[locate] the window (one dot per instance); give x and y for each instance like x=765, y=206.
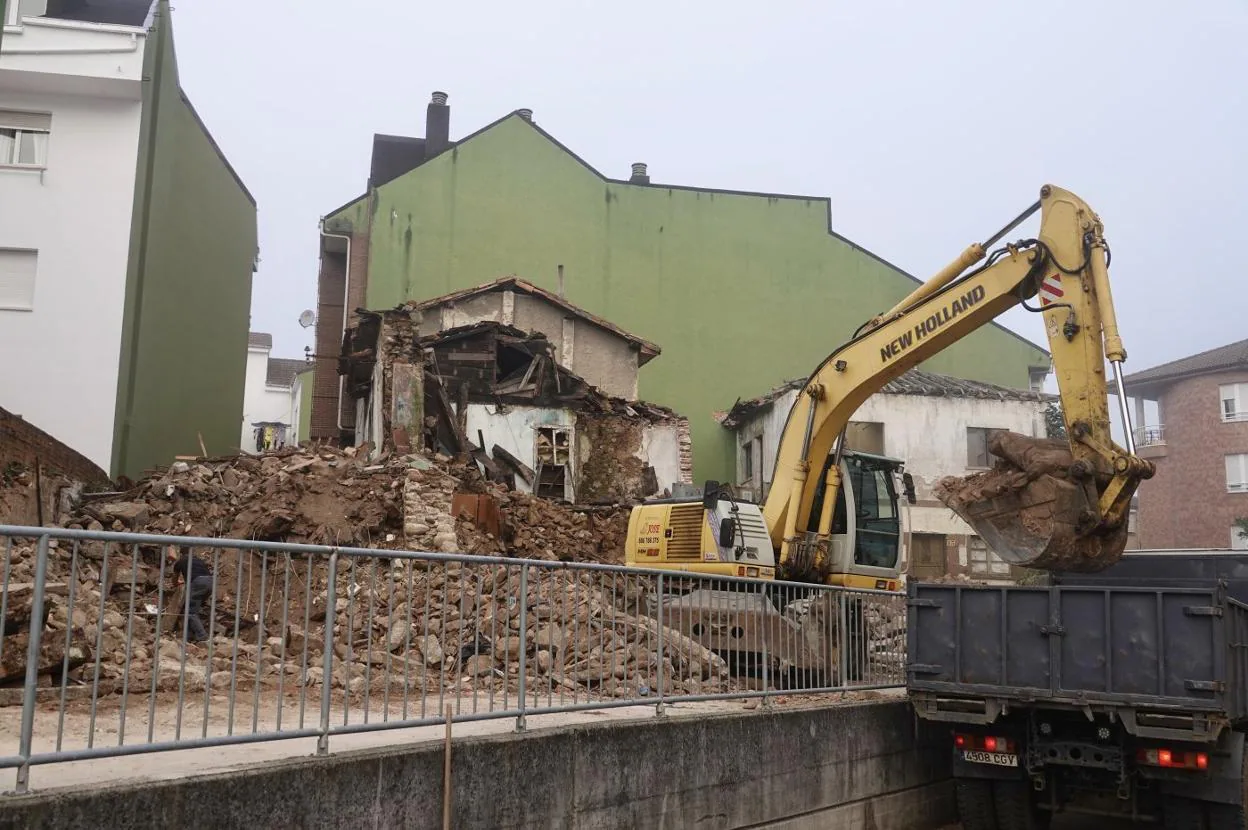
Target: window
x=17, y=279
x=1036, y=376
x=24, y=138
x=1234, y=401
x=977, y=456
x=865, y=436
x=1237, y=473
x=1239, y=538
x=878, y=527
x=747, y=462
x=984, y=562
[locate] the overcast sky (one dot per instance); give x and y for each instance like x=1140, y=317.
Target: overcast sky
x=928, y=124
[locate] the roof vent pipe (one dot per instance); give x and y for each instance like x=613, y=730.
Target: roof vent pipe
x=639, y=173
x=526, y=114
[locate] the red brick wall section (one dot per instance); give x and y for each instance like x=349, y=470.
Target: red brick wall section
x=328, y=345
x=1185, y=505
x=21, y=443
x=324, y=421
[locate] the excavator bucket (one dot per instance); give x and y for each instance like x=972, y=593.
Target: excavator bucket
x=1030, y=511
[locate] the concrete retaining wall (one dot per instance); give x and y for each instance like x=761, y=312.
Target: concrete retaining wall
x=868, y=766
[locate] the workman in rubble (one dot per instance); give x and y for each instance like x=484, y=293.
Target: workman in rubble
x=199, y=588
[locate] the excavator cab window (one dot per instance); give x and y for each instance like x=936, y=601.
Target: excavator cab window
x=877, y=523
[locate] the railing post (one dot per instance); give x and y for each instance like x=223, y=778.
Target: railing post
x=30, y=690
x=327, y=663
x=658, y=708
x=766, y=659
x=524, y=641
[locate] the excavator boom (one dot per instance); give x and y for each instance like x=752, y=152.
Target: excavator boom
x=1049, y=504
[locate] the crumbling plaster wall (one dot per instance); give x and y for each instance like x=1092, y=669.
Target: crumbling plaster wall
x=612, y=451
x=604, y=359
x=513, y=428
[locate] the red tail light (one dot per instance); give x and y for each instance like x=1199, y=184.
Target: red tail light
x=987, y=743
x=1173, y=759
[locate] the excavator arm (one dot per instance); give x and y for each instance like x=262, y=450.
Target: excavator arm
x=1061, y=504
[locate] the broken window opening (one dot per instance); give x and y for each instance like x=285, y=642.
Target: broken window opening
x=510, y=363
x=552, y=450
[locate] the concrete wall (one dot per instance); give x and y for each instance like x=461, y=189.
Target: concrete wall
x=75, y=215
x=856, y=767
x=192, y=251
x=740, y=290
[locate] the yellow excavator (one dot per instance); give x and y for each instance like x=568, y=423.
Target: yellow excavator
x=1047, y=505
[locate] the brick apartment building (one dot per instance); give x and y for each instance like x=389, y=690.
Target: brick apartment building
x=1200, y=447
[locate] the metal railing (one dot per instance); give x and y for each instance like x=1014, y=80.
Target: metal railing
x=1150, y=436
x=303, y=641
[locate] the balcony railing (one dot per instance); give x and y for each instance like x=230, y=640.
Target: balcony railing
x=1150, y=436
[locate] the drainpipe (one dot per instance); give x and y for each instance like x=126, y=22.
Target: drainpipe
x=346, y=291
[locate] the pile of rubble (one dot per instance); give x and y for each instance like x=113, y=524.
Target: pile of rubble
x=315, y=496
x=433, y=626
x=437, y=628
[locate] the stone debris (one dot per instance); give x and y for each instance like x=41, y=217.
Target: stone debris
x=425, y=627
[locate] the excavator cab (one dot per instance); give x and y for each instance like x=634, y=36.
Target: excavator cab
x=865, y=552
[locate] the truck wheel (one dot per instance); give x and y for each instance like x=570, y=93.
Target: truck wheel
x=1016, y=809
x=1184, y=814
x=975, y=806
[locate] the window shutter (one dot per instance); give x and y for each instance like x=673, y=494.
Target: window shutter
x=17, y=279
x=14, y=120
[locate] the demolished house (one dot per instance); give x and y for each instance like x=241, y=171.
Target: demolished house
x=499, y=394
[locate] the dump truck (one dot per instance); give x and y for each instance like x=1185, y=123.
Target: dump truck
x=1122, y=692
x=1054, y=504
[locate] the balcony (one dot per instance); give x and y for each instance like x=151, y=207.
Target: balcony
x=1150, y=441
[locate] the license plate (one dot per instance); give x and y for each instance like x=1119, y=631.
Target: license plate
x=999, y=759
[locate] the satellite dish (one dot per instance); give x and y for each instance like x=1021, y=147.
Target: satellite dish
x=307, y=318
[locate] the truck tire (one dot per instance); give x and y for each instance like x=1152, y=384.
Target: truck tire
x=1184, y=814
x=1016, y=809
x=975, y=804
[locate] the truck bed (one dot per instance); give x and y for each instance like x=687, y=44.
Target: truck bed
x=1100, y=642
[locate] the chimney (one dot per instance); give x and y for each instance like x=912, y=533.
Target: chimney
x=527, y=115
x=639, y=173
x=437, y=125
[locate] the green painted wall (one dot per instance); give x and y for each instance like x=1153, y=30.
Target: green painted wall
x=741, y=291
x=188, y=291
x=305, y=405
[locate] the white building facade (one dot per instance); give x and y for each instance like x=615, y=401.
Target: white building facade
x=70, y=113
x=937, y=425
x=270, y=400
